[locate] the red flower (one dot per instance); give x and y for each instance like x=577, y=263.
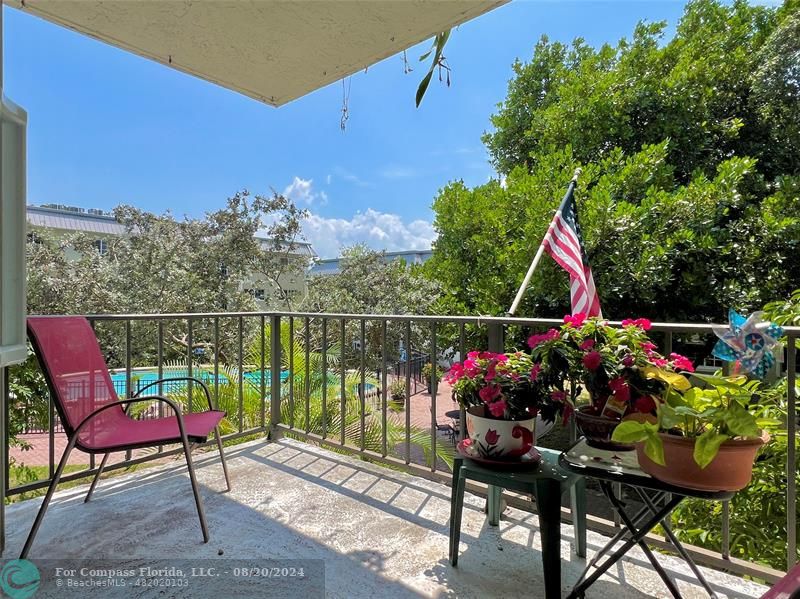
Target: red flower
x=558, y=396
x=645, y=404
x=620, y=389
x=498, y=408
x=492, y=437
x=575, y=320
x=628, y=361
x=490, y=393
x=592, y=360
x=535, y=370
x=587, y=345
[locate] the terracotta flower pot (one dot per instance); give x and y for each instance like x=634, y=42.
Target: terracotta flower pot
x=598, y=430
x=500, y=439
x=730, y=470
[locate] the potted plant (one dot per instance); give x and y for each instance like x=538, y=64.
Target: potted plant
x=397, y=391
x=705, y=438
x=620, y=368
x=428, y=372
x=503, y=394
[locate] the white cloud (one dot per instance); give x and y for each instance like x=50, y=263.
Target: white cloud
x=378, y=230
x=301, y=191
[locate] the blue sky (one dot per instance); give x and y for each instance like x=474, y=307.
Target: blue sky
x=107, y=127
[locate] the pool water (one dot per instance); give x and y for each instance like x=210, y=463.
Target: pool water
x=141, y=378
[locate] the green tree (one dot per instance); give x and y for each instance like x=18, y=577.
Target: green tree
x=687, y=204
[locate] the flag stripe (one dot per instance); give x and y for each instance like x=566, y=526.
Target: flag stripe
x=564, y=244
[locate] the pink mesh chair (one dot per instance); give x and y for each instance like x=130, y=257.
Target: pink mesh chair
x=787, y=587
x=96, y=420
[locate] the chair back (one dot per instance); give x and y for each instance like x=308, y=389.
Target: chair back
x=76, y=374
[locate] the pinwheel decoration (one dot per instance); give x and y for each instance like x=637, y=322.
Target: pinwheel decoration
x=748, y=342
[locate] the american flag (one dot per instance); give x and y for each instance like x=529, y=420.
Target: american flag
x=564, y=243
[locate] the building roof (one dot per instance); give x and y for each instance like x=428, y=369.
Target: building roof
x=66, y=218
x=271, y=51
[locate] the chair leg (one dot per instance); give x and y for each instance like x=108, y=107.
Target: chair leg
x=198, y=500
x=46, y=501
x=96, y=478
x=222, y=457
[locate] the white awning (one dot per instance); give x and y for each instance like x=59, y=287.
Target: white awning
x=272, y=50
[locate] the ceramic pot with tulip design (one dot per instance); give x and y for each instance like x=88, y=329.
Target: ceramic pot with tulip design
x=500, y=439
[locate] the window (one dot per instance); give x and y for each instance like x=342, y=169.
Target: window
x=101, y=245
x=258, y=294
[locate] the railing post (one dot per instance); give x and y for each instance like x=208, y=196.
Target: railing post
x=275, y=375
x=495, y=342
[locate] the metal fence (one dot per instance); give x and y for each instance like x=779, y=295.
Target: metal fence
x=333, y=374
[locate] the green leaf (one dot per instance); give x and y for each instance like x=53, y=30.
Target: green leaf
x=739, y=421
x=423, y=86
x=706, y=447
x=654, y=448
x=629, y=431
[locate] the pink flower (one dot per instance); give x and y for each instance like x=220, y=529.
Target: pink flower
x=660, y=362
x=592, y=360
x=535, y=370
x=473, y=355
x=471, y=368
x=490, y=393
x=537, y=339
x=575, y=320
x=628, y=361
x=681, y=362
x=502, y=358
x=490, y=372
x=492, y=437
x=497, y=408
x=587, y=345
x=642, y=323
x=455, y=373
x=467, y=442
x=558, y=396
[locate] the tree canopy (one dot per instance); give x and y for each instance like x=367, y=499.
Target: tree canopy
x=691, y=186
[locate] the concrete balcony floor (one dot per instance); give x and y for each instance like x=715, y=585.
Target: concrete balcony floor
x=381, y=533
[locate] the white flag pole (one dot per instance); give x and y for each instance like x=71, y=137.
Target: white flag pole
x=540, y=252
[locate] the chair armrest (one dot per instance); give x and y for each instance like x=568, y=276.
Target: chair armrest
x=179, y=378
x=125, y=402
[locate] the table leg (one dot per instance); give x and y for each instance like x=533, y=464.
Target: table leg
x=455, y=526
x=548, y=505
x=457, y=462
x=678, y=546
x=635, y=538
x=637, y=519
x=578, y=508
x=494, y=496
x=629, y=524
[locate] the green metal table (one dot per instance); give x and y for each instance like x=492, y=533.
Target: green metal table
x=546, y=483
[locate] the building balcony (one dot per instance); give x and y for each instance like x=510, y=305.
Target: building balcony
x=379, y=532
x=327, y=466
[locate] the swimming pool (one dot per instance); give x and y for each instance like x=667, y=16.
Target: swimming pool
x=143, y=377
